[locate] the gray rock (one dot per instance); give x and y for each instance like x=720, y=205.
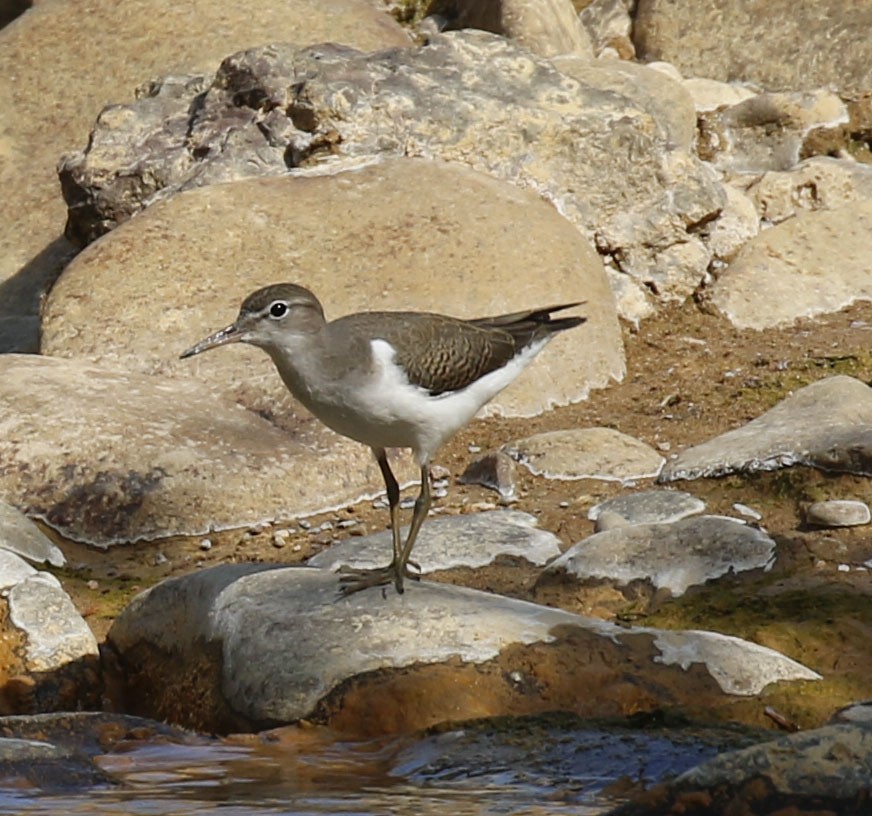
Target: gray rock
x=362, y=240
x=55, y=632
x=767, y=131
x=814, y=44
x=588, y=453
x=838, y=513
x=859, y=713
x=43, y=65
x=640, y=206
x=672, y=556
x=101, y=456
x=472, y=540
x=18, y=534
x=270, y=644
x=13, y=569
x=834, y=762
x=824, y=425
x=495, y=470
x=650, y=506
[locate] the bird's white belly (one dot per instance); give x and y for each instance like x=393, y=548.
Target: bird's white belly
x=387, y=411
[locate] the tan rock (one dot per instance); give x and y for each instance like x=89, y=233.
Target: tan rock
x=586, y=453
x=403, y=234
x=777, y=44
x=545, y=27
x=815, y=263
x=107, y=457
x=52, y=88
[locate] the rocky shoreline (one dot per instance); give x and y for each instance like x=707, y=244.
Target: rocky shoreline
x=669, y=513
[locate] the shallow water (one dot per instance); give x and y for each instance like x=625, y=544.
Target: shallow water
x=518, y=767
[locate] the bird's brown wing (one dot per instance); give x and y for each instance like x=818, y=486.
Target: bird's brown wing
x=442, y=354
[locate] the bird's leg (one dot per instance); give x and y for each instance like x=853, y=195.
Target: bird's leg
x=353, y=580
x=393, y=491
x=422, y=508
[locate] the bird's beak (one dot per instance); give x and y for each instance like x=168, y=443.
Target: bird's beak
x=230, y=334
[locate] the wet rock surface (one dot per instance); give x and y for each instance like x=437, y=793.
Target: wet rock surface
x=375, y=662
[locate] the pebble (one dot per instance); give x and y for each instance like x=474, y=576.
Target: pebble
x=750, y=512
x=304, y=524
x=206, y=544
x=837, y=513
x=160, y=559
x=280, y=538
x=93, y=585
x=345, y=523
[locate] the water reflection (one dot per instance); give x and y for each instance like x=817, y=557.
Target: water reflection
x=521, y=767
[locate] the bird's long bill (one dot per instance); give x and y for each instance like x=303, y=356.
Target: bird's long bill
x=229, y=334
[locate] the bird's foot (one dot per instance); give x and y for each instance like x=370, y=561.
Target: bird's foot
x=353, y=580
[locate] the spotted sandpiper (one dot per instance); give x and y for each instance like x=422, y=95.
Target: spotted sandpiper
x=389, y=380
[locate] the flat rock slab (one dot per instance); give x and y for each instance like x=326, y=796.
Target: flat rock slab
x=246, y=646
x=473, y=540
x=20, y=535
x=105, y=457
x=672, y=556
x=649, y=506
x=815, y=263
x=400, y=234
x=827, y=425
x=587, y=453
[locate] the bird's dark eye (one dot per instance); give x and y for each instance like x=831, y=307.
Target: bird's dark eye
x=278, y=308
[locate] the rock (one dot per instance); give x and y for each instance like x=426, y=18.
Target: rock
x=52, y=90
x=55, y=633
x=588, y=453
x=838, y=513
x=813, y=264
x=640, y=205
x=821, y=770
x=767, y=131
x=99, y=456
x=360, y=240
x=672, y=555
x=647, y=89
x=815, y=43
x=56, y=753
x=18, y=534
x=244, y=646
x=49, y=658
x=650, y=506
x=824, y=425
x=472, y=540
x=610, y=27
x=859, y=713
x=738, y=224
x=495, y=470
x=818, y=183
x=710, y=94
x=545, y=27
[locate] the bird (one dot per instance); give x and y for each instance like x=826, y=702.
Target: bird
x=390, y=379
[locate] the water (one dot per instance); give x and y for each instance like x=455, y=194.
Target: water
x=524, y=767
